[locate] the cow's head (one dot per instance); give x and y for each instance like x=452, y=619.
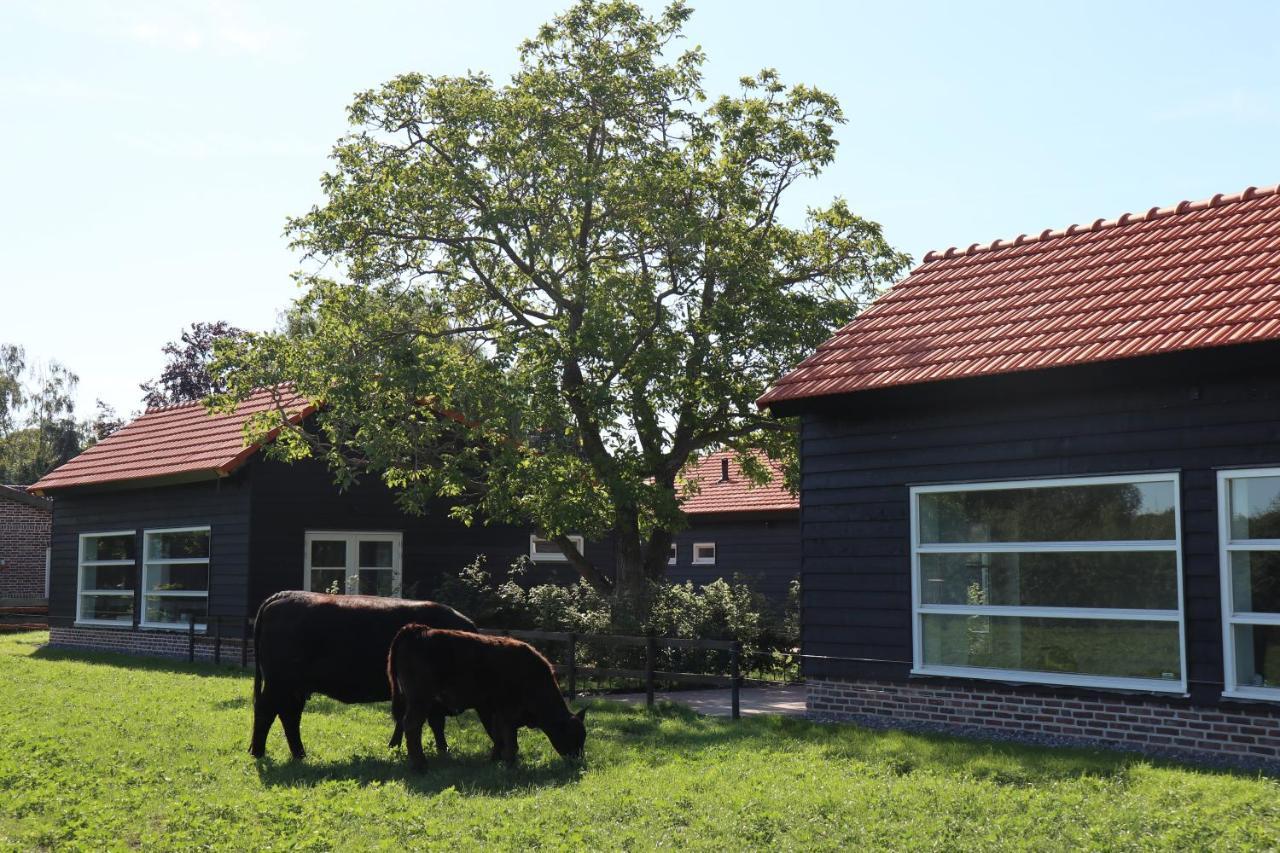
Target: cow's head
x=569, y=736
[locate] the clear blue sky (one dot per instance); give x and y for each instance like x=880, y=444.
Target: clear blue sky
x=152, y=150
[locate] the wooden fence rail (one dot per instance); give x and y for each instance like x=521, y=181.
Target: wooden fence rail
x=650, y=675
x=214, y=629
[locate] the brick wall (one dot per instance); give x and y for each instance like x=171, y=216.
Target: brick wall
x=162, y=644
x=24, y=536
x=1248, y=736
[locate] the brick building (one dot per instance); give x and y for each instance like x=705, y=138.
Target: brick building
x=25, y=524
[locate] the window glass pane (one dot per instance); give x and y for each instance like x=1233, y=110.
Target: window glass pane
x=1255, y=508
x=183, y=545
x=329, y=580
x=107, y=608
x=1139, y=511
x=328, y=553
x=375, y=555
x=376, y=582
x=546, y=546
x=1257, y=649
x=175, y=611
x=1145, y=580
x=1103, y=647
x=182, y=576
x=108, y=548
x=704, y=552
x=106, y=577
x=1255, y=581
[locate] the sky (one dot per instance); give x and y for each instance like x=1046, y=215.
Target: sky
x=150, y=152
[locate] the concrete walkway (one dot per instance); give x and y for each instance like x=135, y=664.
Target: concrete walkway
x=787, y=701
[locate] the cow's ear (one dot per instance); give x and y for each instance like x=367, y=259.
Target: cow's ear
x=582, y=715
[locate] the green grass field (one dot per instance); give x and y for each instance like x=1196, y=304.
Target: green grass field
x=105, y=752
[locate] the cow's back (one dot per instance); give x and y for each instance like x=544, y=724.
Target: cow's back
x=337, y=645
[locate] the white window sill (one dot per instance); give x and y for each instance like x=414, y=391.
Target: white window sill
x=1253, y=694
x=129, y=626
x=1140, y=685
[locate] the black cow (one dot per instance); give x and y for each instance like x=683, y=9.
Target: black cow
x=509, y=683
x=335, y=645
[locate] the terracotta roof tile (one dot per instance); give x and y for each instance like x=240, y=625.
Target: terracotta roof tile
x=737, y=494
x=1197, y=274
x=174, y=440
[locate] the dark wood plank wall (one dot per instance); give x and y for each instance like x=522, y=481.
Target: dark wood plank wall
x=223, y=505
x=1190, y=412
x=761, y=548
x=289, y=500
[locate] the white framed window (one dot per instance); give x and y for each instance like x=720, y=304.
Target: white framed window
x=545, y=551
x=704, y=553
x=1249, y=536
x=175, y=577
x=349, y=562
x=675, y=552
x=106, y=578
x=1069, y=581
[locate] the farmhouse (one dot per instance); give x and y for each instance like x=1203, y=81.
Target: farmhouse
x=24, y=544
x=174, y=518
x=1041, y=487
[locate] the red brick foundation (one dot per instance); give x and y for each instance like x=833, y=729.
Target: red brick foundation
x=1135, y=723
x=24, y=536
x=162, y=644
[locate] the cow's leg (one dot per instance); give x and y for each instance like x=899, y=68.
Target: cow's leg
x=436, y=717
x=397, y=734
x=414, y=718
x=264, y=714
x=486, y=719
x=291, y=721
x=511, y=746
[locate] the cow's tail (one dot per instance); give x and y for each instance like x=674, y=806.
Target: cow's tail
x=257, y=654
x=397, y=695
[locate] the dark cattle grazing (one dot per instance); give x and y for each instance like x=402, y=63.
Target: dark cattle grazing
x=335, y=645
x=509, y=684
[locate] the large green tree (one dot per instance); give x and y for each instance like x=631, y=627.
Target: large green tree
x=551, y=294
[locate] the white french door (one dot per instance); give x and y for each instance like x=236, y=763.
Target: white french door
x=353, y=563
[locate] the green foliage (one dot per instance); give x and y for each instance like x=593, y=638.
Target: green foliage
x=101, y=752
x=558, y=290
x=38, y=426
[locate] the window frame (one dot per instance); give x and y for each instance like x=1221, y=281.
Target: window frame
x=175, y=561
x=1226, y=547
x=558, y=557
x=80, y=591
x=920, y=610
x=351, y=571
x=674, y=556
x=703, y=561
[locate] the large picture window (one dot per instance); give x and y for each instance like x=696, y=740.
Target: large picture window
x=1250, y=537
x=175, y=577
x=107, y=574
x=354, y=563
x=1074, y=582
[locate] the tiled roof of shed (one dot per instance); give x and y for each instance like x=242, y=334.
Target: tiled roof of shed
x=1194, y=275
x=173, y=440
x=737, y=494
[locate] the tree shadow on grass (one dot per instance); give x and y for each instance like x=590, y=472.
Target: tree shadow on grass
x=144, y=664
x=468, y=774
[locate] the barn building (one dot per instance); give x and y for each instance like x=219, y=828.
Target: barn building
x=1040, y=488
x=174, y=519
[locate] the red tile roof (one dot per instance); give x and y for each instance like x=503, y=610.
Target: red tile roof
x=1198, y=274
x=174, y=440
x=737, y=494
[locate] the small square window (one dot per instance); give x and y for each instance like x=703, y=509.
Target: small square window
x=545, y=551
x=704, y=553
x=671, y=560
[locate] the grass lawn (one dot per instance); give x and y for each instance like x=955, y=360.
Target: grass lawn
x=106, y=752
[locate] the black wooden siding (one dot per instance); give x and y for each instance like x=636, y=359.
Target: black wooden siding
x=289, y=500
x=222, y=505
x=1191, y=413
x=760, y=548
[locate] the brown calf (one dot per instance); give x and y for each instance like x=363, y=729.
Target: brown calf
x=509, y=684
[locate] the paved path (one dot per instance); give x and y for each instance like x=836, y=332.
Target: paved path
x=787, y=701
